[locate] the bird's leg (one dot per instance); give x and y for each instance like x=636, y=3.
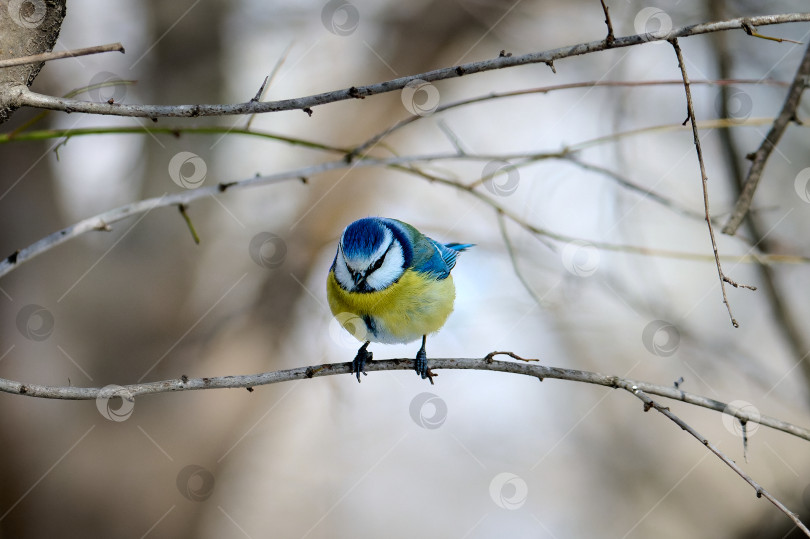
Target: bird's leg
x=420, y=365
x=359, y=362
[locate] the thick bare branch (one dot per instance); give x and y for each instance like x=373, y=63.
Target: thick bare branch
x=22, y=96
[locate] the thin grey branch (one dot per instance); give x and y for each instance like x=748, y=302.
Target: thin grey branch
x=22, y=96
x=642, y=191
x=47, y=56
x=102, y=221
x=487, y=363
x=370, y=143
x=510, y=249
x=610, y=38
x=788, y=114
x=650, y=403
x=785, y=319
x=482, y=364
x=690, y=110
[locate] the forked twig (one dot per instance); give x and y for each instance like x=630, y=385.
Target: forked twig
x=705, y=181
x=760, y=490
x=610, y=38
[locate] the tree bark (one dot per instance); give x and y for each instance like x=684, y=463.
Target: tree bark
x=26, y=27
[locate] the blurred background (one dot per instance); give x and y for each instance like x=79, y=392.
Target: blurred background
x=479, y=454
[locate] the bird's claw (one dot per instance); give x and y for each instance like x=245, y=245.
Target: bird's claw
x=359, y=362
x=420, y=365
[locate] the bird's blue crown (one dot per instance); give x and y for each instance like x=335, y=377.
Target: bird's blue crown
x=363, y=237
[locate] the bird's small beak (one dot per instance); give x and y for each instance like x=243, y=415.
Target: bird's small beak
x=358, y=278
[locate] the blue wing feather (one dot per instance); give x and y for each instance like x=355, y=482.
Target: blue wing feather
x=449, y=252
x=428, y=255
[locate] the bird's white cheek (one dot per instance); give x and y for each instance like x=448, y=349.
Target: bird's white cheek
x=342, y=273
x=390, y=271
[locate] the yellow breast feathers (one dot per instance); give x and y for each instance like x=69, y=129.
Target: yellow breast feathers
x=413, y=306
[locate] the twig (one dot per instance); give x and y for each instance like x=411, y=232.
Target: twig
x=787, y=114
x=751, y=31
x=19, y=96
x=452, y=137
x=46, y=56
x=489, y=357
x=645, y=194
x=535, y=370
x=630, y=186
x=185, y=197
x=542, y=233
x=610, y=38
x=513, y=258
x=705, y=182
x=718, y=123
x=268, y=81
x=259, y=95
x=487, y=363
x=744, y=428
x=44, y=113
x=187, y=219
x=650, y=403
x=102, y=220
x=174, y=131
x=785, y=320
x=546, y=89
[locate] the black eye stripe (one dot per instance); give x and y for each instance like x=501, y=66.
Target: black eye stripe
x=380, y=260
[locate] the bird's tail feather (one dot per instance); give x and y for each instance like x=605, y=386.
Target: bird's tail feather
x=459, y=247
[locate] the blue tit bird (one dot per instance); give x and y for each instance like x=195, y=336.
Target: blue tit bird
x=394, y=282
